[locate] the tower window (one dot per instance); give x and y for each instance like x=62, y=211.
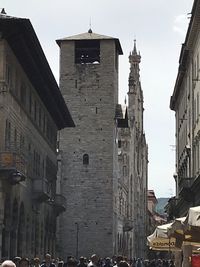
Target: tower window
x=85, y=159
x=87, y=52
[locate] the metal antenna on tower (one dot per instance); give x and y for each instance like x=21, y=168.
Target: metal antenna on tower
x=90, y=29
x=3, y=12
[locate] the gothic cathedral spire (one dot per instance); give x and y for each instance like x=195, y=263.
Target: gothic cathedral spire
x=135, y=94
x=134, y=76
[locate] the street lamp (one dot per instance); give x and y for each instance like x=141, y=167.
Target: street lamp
x=16, y=177
x=77, y=238
x=78, y=225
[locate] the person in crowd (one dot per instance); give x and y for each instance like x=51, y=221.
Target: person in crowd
x=48, y=261
x=60, y=263
x=165, y=263
x=123, y=264
x=133, y=263
x=71, y=262
x=36, y=262
x=108, y=262
x=8, y=263
x=171, y=263
x=139, y=263
x=16, y=261
x=94, y=261
x=24, y=262
x=82, y=262
x=159, y=263
x=119, y=258
x=153, y=263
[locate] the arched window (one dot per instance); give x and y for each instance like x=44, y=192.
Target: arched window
x=85, y=159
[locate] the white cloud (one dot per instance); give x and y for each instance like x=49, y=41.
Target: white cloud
x=180, y=24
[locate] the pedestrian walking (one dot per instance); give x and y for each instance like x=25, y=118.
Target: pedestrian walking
x=36, y=262
x=16, y=261
x=108, y=262
x=94, y=262
x=124, y=264
x=24, y=262
x=82, y=262
x=139, y=263
x=119, y=258
x=8, y=263
x=48, y=261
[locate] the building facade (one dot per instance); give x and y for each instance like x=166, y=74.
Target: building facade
x=185, y=103
x=133, y=168
x=138, y=156
x=154, y=217
x=89, y=83
x=104, y=168
x=124, y=192
x=32, y=110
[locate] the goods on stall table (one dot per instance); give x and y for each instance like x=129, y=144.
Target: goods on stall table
x=195, y=260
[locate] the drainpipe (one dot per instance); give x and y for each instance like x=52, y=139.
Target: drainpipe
x=1, y=215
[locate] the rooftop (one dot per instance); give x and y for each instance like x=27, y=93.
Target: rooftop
x=91, y=36
x=22, y=39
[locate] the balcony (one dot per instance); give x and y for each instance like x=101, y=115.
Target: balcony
x=40, y=190
x=128, y=225
x=13, y=166
x=59, y=203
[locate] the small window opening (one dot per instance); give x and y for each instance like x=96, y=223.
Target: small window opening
x=96, y=110
x=87, y=52
x=85, y=159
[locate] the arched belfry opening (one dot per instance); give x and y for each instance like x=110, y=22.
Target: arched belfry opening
x=87, y=52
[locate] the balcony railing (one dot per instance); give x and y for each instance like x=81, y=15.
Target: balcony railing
x=13, y=166
x=40, y=190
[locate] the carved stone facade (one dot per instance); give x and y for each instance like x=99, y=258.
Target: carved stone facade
x=32, y=110
x=133, y=160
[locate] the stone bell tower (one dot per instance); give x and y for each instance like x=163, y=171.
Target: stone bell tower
x=89, y=85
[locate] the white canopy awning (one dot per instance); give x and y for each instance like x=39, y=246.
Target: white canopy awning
x=193, y=217
x=159, y=240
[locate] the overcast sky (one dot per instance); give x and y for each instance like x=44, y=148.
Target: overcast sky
x=159, y=27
